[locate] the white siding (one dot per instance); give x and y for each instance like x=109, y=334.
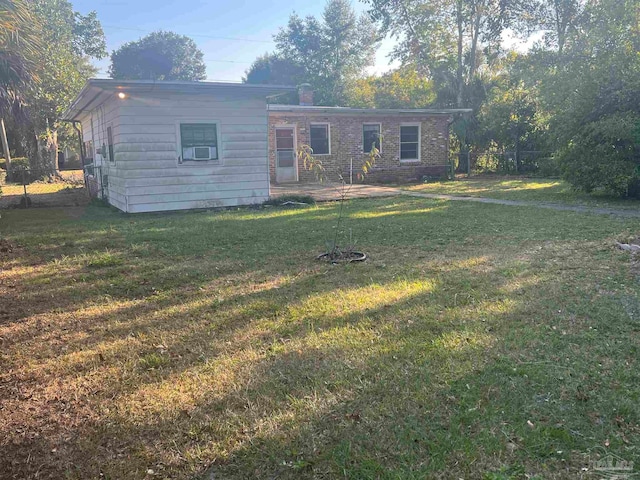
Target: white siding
x=147, y=176
x=103, y=116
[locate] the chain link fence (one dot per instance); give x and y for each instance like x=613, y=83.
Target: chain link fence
x=23, y=187
x=532, y=162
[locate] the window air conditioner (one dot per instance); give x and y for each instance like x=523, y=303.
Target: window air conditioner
x=202, y=153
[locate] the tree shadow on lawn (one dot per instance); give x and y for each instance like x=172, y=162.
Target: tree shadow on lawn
x=206, y=351
x=85, y=382
x=137, y=258
x=274, y=382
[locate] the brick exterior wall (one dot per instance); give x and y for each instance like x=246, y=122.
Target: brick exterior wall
x=346, y=144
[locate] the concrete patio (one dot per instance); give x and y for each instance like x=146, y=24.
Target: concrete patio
x=329, y=192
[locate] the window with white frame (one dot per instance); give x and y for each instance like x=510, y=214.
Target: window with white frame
x=410, y=143
x=199, y=142
x=370, y=137
x=320, y=138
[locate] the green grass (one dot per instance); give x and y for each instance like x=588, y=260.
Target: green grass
x=478, y=341
x=523, y=188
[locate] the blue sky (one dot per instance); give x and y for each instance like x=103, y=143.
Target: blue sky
x=231, y=34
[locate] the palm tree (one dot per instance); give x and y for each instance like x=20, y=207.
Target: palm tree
x=18, y=50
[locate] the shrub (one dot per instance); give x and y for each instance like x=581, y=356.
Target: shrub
x=19, y=169
x=605, y=156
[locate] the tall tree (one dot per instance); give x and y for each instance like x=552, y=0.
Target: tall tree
x=448, y=39
x=330, y=53
x=401, y=88
x=594, y=99
x=69, y=39
x=557, y=18
x=18, y=51
x=159, y=56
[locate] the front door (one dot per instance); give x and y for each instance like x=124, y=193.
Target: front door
x=286, y=164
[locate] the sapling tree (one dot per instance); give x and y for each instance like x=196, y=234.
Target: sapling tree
x=337, y=181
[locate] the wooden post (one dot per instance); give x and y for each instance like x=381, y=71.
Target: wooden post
x=5, y=144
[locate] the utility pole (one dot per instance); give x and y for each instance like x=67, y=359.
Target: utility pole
x=5, y=145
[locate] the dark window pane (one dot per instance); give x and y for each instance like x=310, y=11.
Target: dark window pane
x=409, y=134
x=370, y=137
x=409, y=151
x=319, y=136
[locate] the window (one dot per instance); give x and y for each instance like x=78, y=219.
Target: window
x=370, y=137
x=410, y=143
x=199, y=141
x=320, y=139
x=110, y=144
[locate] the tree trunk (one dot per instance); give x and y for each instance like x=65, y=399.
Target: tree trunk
x=53, y=151
x=459, y=76
x=474, y=44
x=5, y=145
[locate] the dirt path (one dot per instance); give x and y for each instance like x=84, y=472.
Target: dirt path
x=326, y=193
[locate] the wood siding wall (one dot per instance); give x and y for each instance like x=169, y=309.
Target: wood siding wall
x=146, y=148
x=102, y=117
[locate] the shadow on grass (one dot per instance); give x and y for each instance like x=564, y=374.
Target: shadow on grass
x=212, y=342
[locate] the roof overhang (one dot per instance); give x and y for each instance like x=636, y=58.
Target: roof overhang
x=366, y=111
x=96, y=91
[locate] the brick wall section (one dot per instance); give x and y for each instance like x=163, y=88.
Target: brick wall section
x=346, y=143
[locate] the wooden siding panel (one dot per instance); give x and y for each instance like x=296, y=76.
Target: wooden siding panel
x=238, y=192
x=187, y=180
x=187, y=171
x=146, y=175
x=155, y=190
x=195, y=204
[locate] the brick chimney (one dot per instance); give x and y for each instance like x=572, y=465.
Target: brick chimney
x=305, y=93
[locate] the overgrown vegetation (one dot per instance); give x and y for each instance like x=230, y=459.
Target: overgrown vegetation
x=189, y=344
x=571, y=99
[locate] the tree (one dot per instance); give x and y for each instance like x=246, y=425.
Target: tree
x=159, y=56
x=401, y=88
x=275, y=70
x=63, y=66
x=329, y=53
x=558, y=18
x=18, y=50
x=452, y=42
x=448, y=39
x=595, y=120
x=509, y=118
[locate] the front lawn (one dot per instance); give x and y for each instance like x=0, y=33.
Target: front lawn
x=523, y=188
x=478, y=341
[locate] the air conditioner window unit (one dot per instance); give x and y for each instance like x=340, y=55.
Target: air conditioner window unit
x=202, y=153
